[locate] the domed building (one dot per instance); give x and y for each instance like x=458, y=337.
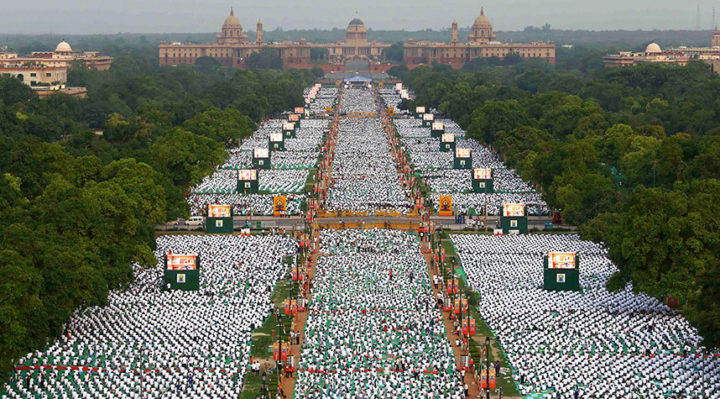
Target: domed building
x=481, y=43
x=63, y=48
x=232, y=31
x=652, y=54
x=356, y=46
x=356, y=33
x=232, y=47
x=653, y=49
x=481, y=30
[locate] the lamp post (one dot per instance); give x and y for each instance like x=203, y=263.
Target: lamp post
x=264, y=385
x=487, y=367
x=485, y=208
x=278, y=316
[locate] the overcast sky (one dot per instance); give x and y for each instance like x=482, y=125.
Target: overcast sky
x=163, y=16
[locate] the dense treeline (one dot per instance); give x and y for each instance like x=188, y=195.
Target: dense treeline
x=146, y=44
x=83, y=181
x=630, y=155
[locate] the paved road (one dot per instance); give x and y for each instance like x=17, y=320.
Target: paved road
x=297, y=223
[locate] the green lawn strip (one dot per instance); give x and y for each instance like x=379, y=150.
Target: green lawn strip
x=310, y=181
x=477, y=343
x=262, y=344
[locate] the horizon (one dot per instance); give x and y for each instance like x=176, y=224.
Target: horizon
x=84, y=17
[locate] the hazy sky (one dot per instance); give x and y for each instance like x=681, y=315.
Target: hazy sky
x=158, y=16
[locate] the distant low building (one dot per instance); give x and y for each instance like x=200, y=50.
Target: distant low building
x=36, y=75
x=481, y=43
x=232, y=47
x=46, y=71
x=676, y=55
x=63, y=56
x=652, y=54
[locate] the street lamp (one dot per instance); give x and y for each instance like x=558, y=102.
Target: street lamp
x=264, y=385
x=487, y=367
x=278, y=317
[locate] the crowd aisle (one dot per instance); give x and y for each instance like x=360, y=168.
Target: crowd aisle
x=289, y=168
x=364, y=175
x=151, y=343
x=373, y=330
x=436, y=167
x=602, y=344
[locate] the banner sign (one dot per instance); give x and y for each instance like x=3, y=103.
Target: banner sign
x=445, y=208
x=462, y=153
x=514, y=210
x=219, y=211
x=181, y=262
x=561, y=260
x=262, y=152
x=279, y=205
x=448, y=138
x=482, y=174
x=247, y=174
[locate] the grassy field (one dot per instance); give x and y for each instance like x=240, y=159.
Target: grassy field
x=262, y=345
x=477, y=343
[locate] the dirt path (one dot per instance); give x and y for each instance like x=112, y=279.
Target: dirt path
x=469, y=380
x=298, y=325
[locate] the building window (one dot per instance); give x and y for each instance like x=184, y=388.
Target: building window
x=48, y=74
x=33, y=74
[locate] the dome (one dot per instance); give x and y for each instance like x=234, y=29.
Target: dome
x=231, y=20
x=63, y=47
x=356, y=21
x=653, y=48
x=482, y=20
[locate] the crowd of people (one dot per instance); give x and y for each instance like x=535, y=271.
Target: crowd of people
x=149, y=342
x=373, y=330
x=364, y=175
x=603, y=344
x=436, y=169
x=326, y=97
x=290, y=168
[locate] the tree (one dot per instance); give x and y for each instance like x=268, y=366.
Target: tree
x=319, y=53
x=266, y=58
x=206, y=64
x=495, y=116
x=221, y=125
x=677, y=252
x=13, y=91
x=394, y=53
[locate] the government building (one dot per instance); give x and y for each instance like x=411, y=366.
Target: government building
x=481, y=43
x=677, y=55
x=232, y=48
x=46, y=71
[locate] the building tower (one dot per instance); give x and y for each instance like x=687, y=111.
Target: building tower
x=259, y=32
x=454, y=32
x=715, y=41
x=356, y=34
x=232, y=31
x=481, y=31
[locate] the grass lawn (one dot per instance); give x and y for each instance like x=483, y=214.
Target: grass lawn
x=477, y=343
x=262, y=344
